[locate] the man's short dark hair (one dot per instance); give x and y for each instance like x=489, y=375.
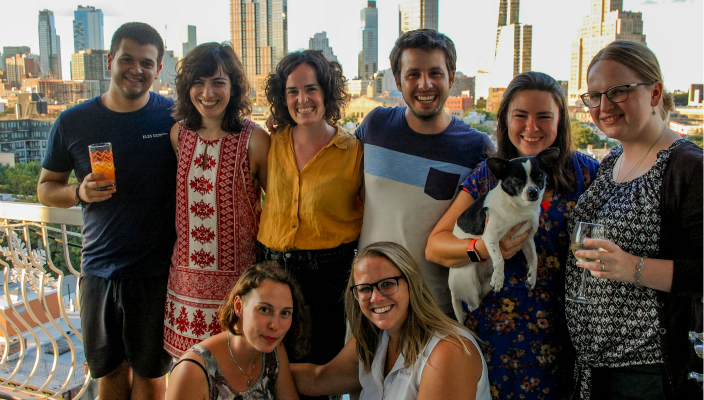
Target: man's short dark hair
x=423, y=39
x=141, y=33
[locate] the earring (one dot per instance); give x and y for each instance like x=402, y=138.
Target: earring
x=654, y=111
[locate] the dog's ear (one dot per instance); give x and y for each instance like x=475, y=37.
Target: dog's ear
x=499, y=167
x=549, y=156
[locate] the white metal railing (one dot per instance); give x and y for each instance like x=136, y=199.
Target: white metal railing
x=40, y=337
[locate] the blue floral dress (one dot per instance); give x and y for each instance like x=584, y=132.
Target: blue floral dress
x=526, y=343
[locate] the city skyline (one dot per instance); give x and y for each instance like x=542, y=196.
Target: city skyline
x=668, y=25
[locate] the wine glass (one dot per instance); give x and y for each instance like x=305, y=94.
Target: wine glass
x=583, y=231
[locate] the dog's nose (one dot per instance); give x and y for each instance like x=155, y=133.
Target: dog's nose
x=532, y=194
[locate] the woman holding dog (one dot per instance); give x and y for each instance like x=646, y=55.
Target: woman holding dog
x=524, y=331
x=404, y=347
x=647, y=278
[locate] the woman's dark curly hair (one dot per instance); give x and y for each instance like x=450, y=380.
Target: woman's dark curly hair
x=297, y=337
x=330, y=79
x=202, y=62
x=562, y=176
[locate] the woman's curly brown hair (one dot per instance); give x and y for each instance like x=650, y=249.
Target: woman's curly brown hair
x=298, y=335
x=205, y=61
x=330, y=79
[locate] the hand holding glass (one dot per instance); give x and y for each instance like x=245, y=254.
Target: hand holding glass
x=101, y=162
x=585, y=230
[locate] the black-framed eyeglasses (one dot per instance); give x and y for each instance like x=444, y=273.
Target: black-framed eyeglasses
x=615, y=94
x=386, y=286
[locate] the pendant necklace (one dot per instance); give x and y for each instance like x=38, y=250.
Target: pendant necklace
x=249, y=376
x=618, y=173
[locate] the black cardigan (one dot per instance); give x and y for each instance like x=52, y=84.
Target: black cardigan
x=680, y=310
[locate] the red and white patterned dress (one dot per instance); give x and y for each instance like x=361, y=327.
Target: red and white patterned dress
x=217, y=219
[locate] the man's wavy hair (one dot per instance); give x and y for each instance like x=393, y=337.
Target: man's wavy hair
x=298, y=335
x=330, y=79
x=203, y=62
x=426, y=40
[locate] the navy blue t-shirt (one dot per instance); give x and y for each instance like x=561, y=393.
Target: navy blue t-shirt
x=132, y=234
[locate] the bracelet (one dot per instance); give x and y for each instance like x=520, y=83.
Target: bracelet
x=639, y=272
x=80, y=201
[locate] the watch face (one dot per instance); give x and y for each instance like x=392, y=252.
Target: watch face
x=473, y=256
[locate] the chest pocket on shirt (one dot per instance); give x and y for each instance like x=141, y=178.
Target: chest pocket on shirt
x=441, y=185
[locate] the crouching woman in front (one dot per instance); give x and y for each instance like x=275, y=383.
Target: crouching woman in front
x=264, y=311
x=403, y=347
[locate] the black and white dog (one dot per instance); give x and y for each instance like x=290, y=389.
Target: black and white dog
x=516, y=198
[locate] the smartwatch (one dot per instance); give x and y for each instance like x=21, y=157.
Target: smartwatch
x=472, y=252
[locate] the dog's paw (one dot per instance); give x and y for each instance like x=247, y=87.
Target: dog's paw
x=497, y=280
x=530, y=281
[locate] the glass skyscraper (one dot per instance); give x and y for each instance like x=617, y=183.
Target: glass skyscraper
x=49, y=45
x=88, y=29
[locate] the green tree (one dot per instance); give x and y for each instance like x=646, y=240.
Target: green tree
x=482, y=128
x=21, y=180
x=583, y=136
x=350, y=118
x=681, y=99
x=697, y=139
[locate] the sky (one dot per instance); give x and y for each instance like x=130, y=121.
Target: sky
x=673, y=28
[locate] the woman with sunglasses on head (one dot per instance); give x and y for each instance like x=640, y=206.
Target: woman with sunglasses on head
x=248, y=361
x=404, y=347
x=646, y=278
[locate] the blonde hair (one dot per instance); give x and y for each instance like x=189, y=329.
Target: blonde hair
x=425, y=319
x=641, y=60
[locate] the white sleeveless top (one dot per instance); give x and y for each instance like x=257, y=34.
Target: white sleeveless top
x=403, y=383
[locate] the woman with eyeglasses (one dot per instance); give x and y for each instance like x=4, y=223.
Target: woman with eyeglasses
x=646, y=279
x=403, y=347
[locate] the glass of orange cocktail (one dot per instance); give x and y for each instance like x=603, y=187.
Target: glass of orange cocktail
x=101, y=161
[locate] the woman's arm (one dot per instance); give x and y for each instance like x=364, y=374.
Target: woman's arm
x=450, y=373
x=173, y=135
x=621, y=266
x=285, y=388
x=258, y=155
x=341, y=375
x=188, y=381
x=446, y=249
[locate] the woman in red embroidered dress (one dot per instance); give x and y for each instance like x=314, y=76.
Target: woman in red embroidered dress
x=222, y=168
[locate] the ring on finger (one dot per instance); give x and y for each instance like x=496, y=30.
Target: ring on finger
x=602, y=265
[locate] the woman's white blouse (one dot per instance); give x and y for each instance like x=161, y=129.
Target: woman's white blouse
x=403, y=383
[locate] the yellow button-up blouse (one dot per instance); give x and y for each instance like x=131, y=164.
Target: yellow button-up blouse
x=318, y=207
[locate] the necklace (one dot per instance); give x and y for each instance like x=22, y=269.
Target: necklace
x=254, y=364
x=618, y=173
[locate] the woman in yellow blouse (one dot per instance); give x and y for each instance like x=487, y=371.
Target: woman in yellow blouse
x=312, y=213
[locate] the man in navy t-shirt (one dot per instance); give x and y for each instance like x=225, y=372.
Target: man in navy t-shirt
x=128, y=222
x=416, y=157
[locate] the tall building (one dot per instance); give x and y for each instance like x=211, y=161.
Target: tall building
x=10, y=51
x=49, y=45
x=506, y=55
x=320, y=42
x=368, y=59
x=259, y=32
x=91, y=64
x=417, y=14
x=88, y=29
x=190, y=41
x=606, y=23
x=14, y=70
x=168, y=69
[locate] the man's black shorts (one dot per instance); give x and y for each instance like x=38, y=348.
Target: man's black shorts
x=124, y=319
